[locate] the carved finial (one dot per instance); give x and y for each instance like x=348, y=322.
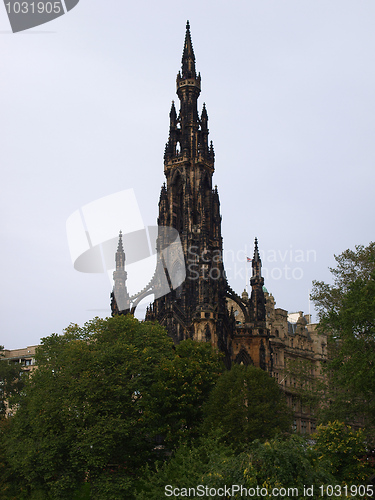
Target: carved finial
x=256, y=251
x=188, y=57
x=204, y=115
x=120, y=248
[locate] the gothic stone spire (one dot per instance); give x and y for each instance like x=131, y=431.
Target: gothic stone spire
x=188, y=57
x=120, y=303
x=258, y=301
x=188, y=203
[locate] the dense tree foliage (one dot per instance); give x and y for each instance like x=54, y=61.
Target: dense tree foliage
x=351, y=265
x=345, y=452
x=247, y=404
x=10, y=486
x=278, y=463
x=91, y=411
x=115, y=410
x=183, y=384
x=11, y=383
x=347, y=316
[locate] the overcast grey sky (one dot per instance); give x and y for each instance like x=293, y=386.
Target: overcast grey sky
x=289, y=89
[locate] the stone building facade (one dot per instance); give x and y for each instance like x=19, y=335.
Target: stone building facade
x=293, y=339
x=24, y=356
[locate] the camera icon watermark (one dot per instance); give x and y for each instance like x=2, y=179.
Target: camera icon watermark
x=154, y=258
x=26, y=14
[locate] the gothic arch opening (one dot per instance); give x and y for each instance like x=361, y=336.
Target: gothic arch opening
x=207, y=333
x=243, y=358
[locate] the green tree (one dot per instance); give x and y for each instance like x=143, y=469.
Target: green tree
x=11, y=383
x=278, y=463
x=247, y=404
x=82, y=415
x=347, y=316
x=350, y=266
x=200, y=462
x=184, y=383
x=286, y=464
x=101, y=394
x=343, y=450
x=11, y=488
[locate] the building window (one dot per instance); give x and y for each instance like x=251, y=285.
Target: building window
x=303, y=426
x=294, y=404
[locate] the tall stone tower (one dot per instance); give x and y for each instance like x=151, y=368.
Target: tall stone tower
x=192, y=297
x=189, y=203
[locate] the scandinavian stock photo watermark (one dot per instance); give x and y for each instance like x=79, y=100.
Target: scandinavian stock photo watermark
x=277, y=264
x=26, y=14
x=236, y=491
x=151, y=252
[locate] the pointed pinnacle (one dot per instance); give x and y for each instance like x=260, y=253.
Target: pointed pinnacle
x=188, y=57
x=173, y=113
x=204, y=112
x=163, y=193
x=188, y=46
x=120, y=248
x=256, y=251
